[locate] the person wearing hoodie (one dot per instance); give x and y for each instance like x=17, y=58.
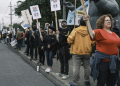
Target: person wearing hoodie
x=81, y=47
x=116, y=29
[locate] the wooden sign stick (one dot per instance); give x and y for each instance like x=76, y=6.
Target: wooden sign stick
x=87, y=22
x=75, y=14
x=39, y=29
x=56, y=24
x=30, y=26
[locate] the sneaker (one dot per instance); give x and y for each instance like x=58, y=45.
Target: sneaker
x=46, y=70
x=49, y=70
x=65, y=77
x=60, y=74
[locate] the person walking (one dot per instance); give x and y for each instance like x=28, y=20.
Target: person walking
x=81, y=48
x=106, y=63
x=49, y=47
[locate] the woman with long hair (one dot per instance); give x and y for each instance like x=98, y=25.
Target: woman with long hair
x=49, y=47
x=105, y=64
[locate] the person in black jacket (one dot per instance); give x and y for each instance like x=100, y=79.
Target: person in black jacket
x=63, y=48
x=40, y=49
x=27, y=41
x=49, y=47
x=116, y=29
x=34, y=41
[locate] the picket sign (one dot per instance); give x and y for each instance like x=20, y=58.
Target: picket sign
x=55, y=5
x=13, y=43
x=87, y=22
x=36, y=15
x=27, y=19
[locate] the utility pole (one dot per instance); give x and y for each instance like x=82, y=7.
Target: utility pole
x=64, y=11
x=0, y=27
x=2, y=22
x=10, y=13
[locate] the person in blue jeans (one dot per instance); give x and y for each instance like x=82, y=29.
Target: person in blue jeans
x=49, y=42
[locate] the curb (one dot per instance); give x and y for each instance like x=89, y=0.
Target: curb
x=51, y=76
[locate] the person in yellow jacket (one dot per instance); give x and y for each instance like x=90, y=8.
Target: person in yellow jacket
x=81, y=47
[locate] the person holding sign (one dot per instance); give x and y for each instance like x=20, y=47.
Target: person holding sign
x=106, y=61
x=41, y=48
x=63, y=48
x=81, y=49
x=34, y=42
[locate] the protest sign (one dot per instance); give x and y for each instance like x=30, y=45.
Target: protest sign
x=60, y=21
x=78, y=17
x=55, y=5
x=24, y=26
x=13, y=43
x=36, y=15
x=70, y=17
x=27, y=17
x=35, y=12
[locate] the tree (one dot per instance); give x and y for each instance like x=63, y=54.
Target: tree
x=15, y=25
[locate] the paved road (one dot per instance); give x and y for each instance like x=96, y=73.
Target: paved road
x=16, y=72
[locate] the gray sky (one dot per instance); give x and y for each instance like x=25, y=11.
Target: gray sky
x=5, y=11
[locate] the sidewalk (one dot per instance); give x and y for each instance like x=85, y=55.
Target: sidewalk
x=55, y=69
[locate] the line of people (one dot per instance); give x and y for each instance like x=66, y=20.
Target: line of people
x=105, y=57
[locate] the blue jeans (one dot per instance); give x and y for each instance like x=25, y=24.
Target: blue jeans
x=18, y=44
x=25, y=50
x=23, y=42
x=49, y=56
x=4, y=40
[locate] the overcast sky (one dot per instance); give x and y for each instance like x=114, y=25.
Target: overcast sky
x=5, y=11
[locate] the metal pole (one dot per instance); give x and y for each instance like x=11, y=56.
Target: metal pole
x=64, y=11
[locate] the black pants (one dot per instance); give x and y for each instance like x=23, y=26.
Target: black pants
x=63, y=61
x=41, y=56
x=33, y=45
x=105, y=76
x=118, y=82
x=28, y=47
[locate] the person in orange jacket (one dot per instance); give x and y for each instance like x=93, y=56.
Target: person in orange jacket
x=81, y=48
x=23, y=40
